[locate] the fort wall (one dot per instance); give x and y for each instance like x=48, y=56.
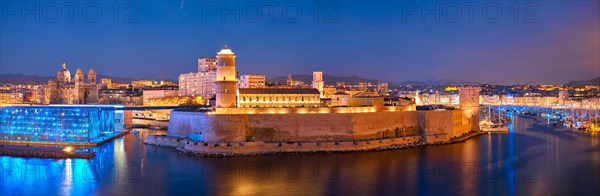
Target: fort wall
x=441, y=126
x=293, y=125
x=384, y=124
x=253, y=132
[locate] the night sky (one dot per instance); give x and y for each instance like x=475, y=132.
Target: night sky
x=548, y=42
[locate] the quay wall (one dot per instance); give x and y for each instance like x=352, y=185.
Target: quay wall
x=257, y=148
x=254, y=148
x=161, y=140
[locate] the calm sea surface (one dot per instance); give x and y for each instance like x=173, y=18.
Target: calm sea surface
x=533, y=159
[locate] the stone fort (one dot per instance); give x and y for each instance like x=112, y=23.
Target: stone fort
x=230, y=123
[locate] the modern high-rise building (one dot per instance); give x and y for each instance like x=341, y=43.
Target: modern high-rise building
x=197, y=84
x=201, y=83
x=207, y=64
x=226, y=81
x=252, y=81
x=318, y=83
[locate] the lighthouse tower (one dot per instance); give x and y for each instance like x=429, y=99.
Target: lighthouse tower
x=226, y=81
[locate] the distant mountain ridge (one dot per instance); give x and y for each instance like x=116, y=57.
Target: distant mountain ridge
x=36, y=79
x=307, y=79
x=582, y=83
x=23, y=79
x=354, y=79
x=430, y=82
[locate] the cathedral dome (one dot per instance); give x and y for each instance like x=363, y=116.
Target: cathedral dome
x=63, y=74
x=91, y=71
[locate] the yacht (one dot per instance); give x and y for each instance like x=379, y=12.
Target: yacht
x=489, y=126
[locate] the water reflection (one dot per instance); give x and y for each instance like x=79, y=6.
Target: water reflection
x=534, y=158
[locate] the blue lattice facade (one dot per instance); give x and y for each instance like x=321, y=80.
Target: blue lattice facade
x=71, y=124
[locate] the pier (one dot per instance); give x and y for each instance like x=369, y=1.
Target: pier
x=42, y=152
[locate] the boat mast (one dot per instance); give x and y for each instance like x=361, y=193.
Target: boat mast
x=499, y=114
x=490, y=113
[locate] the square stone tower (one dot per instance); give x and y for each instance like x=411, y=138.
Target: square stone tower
x=469, y=105
x=318, y=82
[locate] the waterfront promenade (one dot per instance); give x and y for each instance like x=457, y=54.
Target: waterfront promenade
x=42, y=152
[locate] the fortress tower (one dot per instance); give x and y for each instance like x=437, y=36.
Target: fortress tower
x=318, y=83
x=226, y=81
x=469, y=104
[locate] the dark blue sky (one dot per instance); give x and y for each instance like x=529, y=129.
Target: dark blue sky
x=550, y=42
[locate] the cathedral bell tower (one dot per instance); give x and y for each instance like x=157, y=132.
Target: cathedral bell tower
x=78, y=76
x=226, y=81
x=91, y=76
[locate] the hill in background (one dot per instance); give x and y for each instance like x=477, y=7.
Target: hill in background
x=307, y=79
x=583, y=83
x=36, y=79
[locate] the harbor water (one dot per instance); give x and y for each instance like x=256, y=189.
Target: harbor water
x=534, y=158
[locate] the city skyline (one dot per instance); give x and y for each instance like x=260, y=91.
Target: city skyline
x=320, y=97
x=558, y=45
x=277, y=78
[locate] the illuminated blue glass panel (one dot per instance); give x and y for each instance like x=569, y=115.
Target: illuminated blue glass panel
x=56, y=123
